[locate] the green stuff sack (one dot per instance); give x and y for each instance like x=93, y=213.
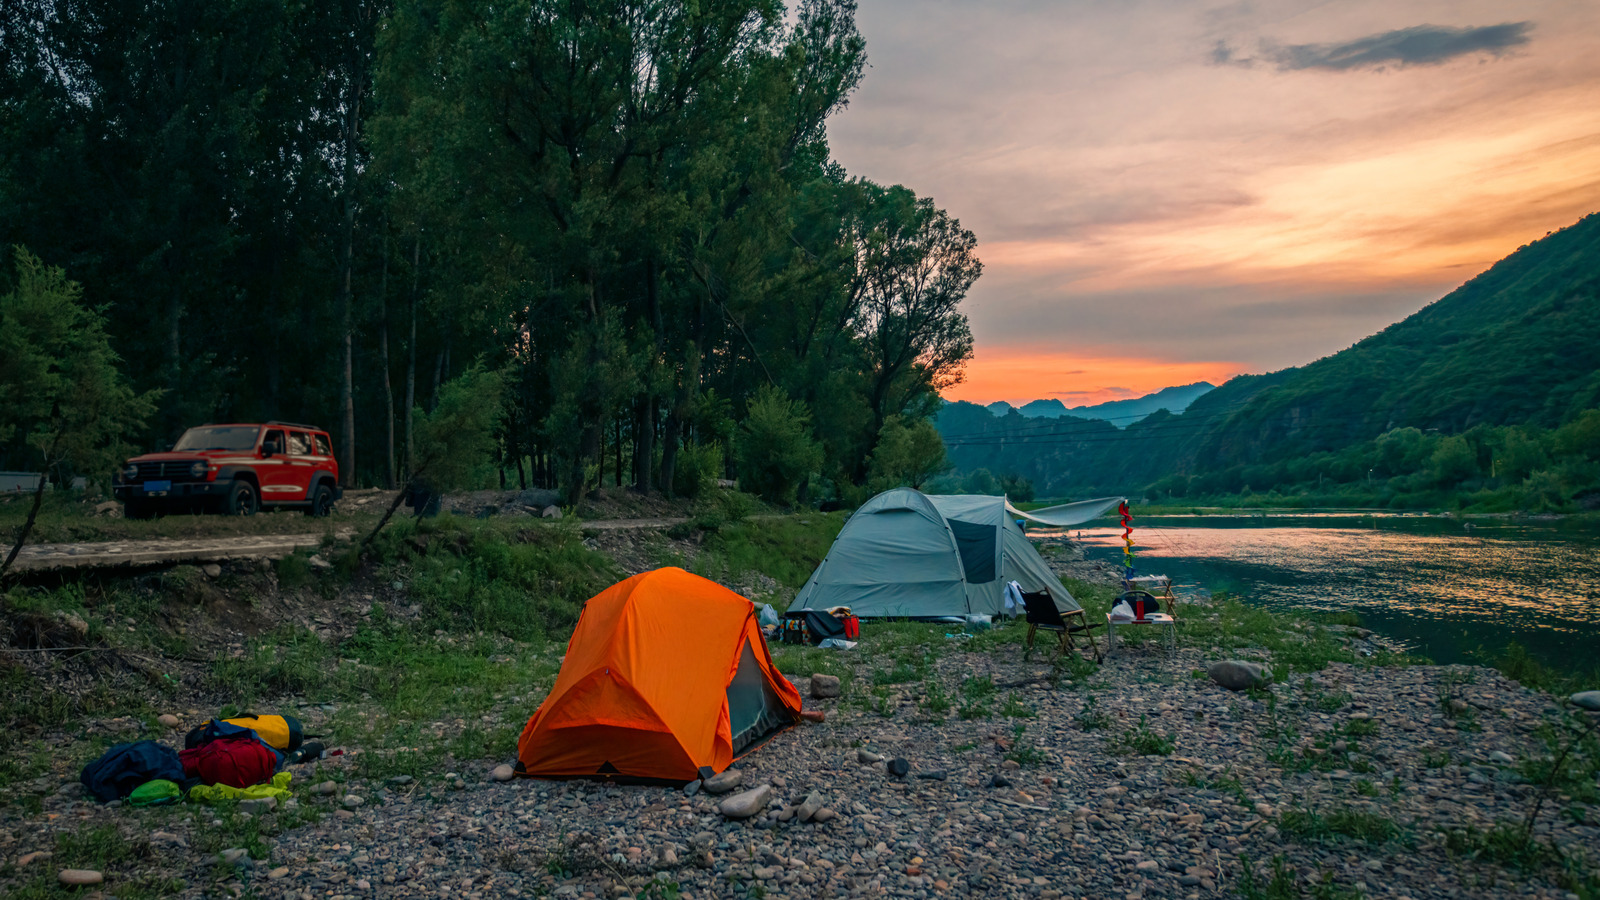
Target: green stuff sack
x=155, y=793
x=281, y=733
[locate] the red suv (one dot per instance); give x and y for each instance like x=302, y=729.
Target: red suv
x=237, y=469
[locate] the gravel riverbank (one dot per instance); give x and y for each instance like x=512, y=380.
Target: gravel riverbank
x=1078, y=809
x=1140, y=777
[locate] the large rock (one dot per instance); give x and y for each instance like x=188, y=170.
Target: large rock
x=824, y=686
x=724, y=782
x=1237, y=675
x=502, y=772
x=1589, y=700
x=168, y=720
x=810, y=806
x=258, y=805
x=745, y=804
x=551, y=512
x=80, y=877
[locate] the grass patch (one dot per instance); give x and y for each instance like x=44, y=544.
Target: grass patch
x=1014, y=708
x=975, y=696
x=68, y=517
x=1280, y=882
x=1091, y=717
x=1517, y=664
x=1024, y=751
x=1338, y=824
x=523, y=582
x=785, y=548
x=1142, y=741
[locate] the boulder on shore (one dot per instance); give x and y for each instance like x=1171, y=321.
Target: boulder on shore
x=1589, y=700
x=724, y=781
x=747, y=803
x=810, y=806
x=824, y=686
x=1238, y=675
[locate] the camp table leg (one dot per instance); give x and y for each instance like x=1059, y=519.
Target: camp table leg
x=1111, y=637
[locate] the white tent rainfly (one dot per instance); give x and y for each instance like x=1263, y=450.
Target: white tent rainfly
x=907, y=554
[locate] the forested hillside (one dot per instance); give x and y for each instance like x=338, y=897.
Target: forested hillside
x=1487, y=394
x=324, y=212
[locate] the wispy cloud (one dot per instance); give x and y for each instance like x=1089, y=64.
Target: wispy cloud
x=1419, y=45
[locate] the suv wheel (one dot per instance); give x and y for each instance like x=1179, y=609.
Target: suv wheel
x=321, y=501
x=241, y=499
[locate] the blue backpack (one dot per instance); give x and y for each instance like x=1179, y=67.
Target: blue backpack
x=126, y=766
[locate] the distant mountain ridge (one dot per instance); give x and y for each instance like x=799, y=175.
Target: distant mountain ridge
x=1119, y=412
x=1517, y=345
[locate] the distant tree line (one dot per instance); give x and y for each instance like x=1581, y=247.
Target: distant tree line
x=1484, y=469
x=327, y=212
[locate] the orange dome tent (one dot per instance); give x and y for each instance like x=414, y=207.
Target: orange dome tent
x=667, y=678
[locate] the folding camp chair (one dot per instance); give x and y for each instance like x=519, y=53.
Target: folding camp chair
x=1043, y=613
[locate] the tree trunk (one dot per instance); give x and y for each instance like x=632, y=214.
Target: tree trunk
x=38, y=494
x=620, y=478
x=515, y=445
x=411, y=350
x=347, y=388
x=27, y=526
x=644, y=429
x=438, y=375
x=388, y=514
x=388, y=388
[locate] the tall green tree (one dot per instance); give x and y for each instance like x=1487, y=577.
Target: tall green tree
x=61, y=388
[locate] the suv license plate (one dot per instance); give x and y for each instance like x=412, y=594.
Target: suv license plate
x=152, y=487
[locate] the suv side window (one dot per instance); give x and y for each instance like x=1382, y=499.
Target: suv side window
x=274, y=435
x=324, y=446
x=299, y=444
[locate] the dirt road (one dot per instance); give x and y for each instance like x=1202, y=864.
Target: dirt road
x=113, y=554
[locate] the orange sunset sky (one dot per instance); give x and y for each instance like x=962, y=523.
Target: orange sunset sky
x=1165, y=192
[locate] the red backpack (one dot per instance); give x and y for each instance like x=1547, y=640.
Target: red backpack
x=234, y=760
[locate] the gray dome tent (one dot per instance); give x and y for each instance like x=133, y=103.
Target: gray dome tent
x=907, y=554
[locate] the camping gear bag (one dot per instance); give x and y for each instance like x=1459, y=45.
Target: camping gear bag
x=811, y=627
x=282, y=733
x=212, y=794
x=237, y=760
x=158, y=792
x=125, y=767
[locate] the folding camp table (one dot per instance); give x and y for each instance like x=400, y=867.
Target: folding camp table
x=1169, y=643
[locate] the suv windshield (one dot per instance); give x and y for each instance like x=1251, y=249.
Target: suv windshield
x=219, y=437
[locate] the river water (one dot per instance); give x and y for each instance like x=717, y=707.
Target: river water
x=1445, y=590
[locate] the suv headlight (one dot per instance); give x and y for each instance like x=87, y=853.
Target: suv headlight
x=198, y=470
x=131, y=472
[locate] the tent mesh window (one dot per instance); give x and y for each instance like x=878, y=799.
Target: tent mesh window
x=976, y=543
x=754, y=710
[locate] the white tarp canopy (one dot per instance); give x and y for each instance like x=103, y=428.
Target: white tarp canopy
x=904, y=553
x=1068, y=514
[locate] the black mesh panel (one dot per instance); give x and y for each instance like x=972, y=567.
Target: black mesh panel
x=976, y=543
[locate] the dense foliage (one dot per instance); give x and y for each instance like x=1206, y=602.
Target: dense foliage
x=324, y=212
x=1484, y=399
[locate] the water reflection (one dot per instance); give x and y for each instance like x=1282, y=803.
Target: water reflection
x=1450, y=593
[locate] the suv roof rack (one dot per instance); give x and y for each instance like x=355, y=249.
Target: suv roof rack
x=295, y=425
